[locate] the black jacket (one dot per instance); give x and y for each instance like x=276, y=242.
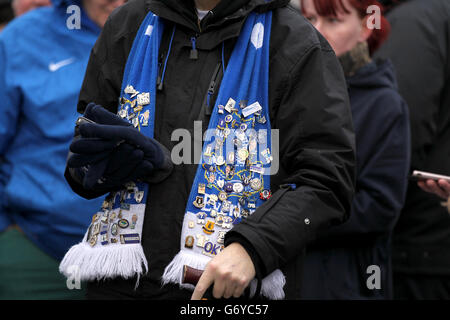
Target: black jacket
x=308, y=103
x=419, y=47
x=336, y=266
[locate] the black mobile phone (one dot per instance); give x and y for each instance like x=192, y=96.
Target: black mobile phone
x=81, y=120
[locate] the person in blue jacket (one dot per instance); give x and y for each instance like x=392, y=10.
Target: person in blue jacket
x=353, y=261
x=43, y=57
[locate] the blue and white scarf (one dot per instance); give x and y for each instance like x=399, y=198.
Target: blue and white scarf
x=232, y=179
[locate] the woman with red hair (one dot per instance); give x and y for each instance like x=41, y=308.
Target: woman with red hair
x=353, y=260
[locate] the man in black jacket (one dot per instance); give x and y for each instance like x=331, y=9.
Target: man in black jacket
x=308, y=103
x=419, y=49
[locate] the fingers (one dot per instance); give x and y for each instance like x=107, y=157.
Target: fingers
x=422, y=185
x=94, y=173
x=116, y=133
x=88, y=111
x=226, y=282
x=102, y=116
x=239, y=289
x=154, y=153
x=132, y=136
x=123, y=174
x=107, y=132
x=203, y=284
x=441, y=188
x=141, y=170
x=229, y=290
x=231, y=271
x=80, y=160
x=122, y=158
x=91, y=145
x=444, y=185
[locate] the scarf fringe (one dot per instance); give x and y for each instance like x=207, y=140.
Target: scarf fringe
x=102, y=263
x=271, y=287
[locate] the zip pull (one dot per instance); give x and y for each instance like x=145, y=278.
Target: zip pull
x=194, y=52
x=160, y=79
x=212, y=89
x=160, y=70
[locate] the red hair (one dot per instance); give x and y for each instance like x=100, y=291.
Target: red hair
x=332, y=7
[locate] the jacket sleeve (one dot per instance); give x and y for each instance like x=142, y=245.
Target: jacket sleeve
x=383, y=164
x=317, y=154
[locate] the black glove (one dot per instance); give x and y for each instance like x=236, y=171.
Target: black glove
x=111, y=152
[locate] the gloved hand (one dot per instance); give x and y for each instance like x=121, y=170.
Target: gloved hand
x=111, y=152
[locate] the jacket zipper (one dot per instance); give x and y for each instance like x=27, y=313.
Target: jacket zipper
x=212, y=89
x=159, y=84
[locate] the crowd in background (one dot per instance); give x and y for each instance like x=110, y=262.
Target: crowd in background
x=397, y=75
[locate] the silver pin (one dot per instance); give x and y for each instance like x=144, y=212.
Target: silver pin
x=251, y=109
x=138, y=196
x=230, y=105
x=129, y=89
x=143, y=98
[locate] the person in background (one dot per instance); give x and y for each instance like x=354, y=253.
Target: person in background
x=336, y=264
x=10, y=9
x=6, y=13
x=23, y=6
x=41, y=71
x=419, y=49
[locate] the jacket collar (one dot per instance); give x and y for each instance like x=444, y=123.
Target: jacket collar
x=222, y=23
x=226, y=9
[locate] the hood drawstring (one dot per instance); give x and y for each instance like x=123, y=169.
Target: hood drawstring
x=214, y=82
x=160, y=81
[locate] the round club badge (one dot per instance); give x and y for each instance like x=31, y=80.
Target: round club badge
x=256, y=184
x=243, y=154
x=220, y=160
x=238, y=187
x=265, y=194
x=222, y=195
x=123, y=223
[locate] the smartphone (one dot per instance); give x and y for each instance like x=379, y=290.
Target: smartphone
x=421, y=175
x=82, y=120
x=79, y=122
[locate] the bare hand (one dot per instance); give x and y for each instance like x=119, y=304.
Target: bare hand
x=230, y=271
x=440, y=188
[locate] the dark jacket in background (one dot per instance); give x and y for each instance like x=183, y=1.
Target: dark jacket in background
x=6, y=11
x=336, y=266
x=419, y=48
x=308, y=103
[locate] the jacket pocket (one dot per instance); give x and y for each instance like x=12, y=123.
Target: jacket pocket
x=274, y=200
